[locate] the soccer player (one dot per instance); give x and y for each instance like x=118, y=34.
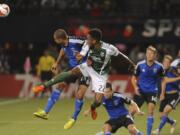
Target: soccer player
x=76, y=50
x=145, y=82
x=169, y=95
x=114, y=104
x=97, y=67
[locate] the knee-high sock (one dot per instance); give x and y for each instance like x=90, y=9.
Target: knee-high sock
x=77, y=108
x=52, y=100
x=150, y=121
x=162, y=122
x=139, y=133
x=58, y=78
x=107, y=133
x=170, y=120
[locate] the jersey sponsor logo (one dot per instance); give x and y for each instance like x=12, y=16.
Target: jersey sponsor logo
x=97, y=59
x=74, y=51
x=155, y=70
x=116, y=102
x=102, y=54
x=143, y=70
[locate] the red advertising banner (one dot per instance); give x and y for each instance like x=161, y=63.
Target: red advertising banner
x=12, y=86
x=9, y=86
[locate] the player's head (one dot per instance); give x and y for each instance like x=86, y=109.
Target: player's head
x=94, y=36
x=167, y=61
x=60, y=37
x=108, y=91
x=151, y=53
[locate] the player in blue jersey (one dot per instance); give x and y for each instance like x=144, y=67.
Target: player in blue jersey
x=76, y=51
x=114, y=104
x=96, y=67
x=145, y=82
x=169, y=96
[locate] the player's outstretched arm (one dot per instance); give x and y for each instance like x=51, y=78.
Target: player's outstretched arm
x=170, y=80
x=117, y=53
x=80, y=55
x=163, y=85
x=134, y=83
x=54, y=67
x=87, y=112
x=126, y=58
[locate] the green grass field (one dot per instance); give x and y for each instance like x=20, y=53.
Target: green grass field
x=16, y=119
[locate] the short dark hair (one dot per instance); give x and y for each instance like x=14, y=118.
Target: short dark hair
x=60, y=33
x=96, y=34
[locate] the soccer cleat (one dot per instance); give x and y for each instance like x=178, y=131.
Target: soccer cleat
x=41, y=114
x=156, y=132
x=38, y=88
x=69, y=124
x=93, y=114
x=173, y=127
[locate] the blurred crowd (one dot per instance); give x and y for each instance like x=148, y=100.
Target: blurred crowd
x=13, y=56
x=97, y=8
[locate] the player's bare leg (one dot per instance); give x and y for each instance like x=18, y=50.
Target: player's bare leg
x=132, y=130
x=107, y=129
x=97, y=101
x=95, y=104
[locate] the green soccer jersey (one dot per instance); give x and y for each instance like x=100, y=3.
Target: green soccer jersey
x=101, y=57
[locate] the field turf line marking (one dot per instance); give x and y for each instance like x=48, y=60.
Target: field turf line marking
x=8, y=102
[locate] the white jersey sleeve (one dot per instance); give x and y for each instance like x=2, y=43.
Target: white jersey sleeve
x=175, y=62
x=85, y=49
x=113, y=50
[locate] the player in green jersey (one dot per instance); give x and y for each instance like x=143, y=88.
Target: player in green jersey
x=97, y=68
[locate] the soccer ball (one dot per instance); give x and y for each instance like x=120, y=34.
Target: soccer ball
x=4, y=10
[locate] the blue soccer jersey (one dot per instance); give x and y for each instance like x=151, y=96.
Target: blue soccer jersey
x=173, y=86
x=75, y=46
x=148, y=76
x=116, y=105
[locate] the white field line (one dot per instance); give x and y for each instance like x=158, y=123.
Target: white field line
x=8, y=102
x=48, y=122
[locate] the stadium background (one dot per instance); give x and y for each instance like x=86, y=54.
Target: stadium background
x=27, y=32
